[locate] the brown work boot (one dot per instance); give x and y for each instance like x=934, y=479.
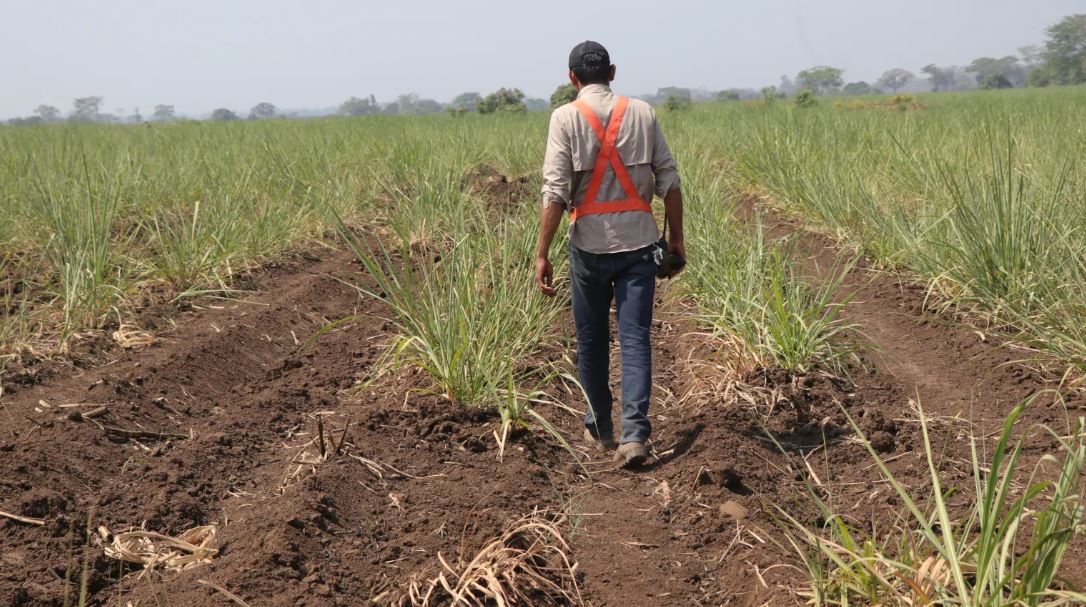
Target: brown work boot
x=603, y=443
x=632, y=454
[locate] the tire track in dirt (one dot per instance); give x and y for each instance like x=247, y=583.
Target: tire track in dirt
x=189, y=383
x=969, y=379
x=953, y=369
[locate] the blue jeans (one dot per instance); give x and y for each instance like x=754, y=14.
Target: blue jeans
x=630, y=279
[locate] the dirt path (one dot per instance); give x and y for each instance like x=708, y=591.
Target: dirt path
x=696, y=524
x=625, y=540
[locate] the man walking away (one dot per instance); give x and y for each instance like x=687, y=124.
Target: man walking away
x=606, y=158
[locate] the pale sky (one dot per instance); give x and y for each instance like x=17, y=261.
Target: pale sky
x=203, y=54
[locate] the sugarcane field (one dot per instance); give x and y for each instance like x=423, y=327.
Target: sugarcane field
x=818, y=343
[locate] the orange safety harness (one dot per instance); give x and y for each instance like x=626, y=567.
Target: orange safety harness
x=608, y=156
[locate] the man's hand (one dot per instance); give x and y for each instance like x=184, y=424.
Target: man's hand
x=673, y=206
x=544, y=276
x=676, y=248
x=549, y=218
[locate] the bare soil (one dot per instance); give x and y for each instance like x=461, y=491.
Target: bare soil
x=500, y=192
x=408, y=476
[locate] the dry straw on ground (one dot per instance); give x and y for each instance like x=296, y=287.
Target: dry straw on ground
x=131, y=336
x=22, y=519
x=190, y=549
x=528, y=565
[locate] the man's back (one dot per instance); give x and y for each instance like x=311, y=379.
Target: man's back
x=572, y=149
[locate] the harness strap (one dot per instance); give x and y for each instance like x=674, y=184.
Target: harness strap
x=608, y=155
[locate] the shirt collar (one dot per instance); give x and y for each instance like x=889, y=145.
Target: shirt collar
x=593, y=89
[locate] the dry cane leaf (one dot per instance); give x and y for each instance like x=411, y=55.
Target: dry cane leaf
x=190, y=549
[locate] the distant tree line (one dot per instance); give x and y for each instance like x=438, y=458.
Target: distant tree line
x=504, y=100
x=1060, y=60
x=89, y=109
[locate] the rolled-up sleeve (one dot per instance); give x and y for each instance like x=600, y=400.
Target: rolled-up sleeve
x=664, y=168
x=557, y=163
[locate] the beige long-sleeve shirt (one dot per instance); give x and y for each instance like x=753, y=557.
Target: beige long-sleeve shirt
x=572, y=147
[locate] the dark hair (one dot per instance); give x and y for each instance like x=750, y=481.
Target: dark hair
x=593, y=69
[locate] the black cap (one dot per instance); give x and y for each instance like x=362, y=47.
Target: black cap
x=589, y=54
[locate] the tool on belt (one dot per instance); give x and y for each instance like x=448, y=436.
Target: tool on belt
x=667, y=263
